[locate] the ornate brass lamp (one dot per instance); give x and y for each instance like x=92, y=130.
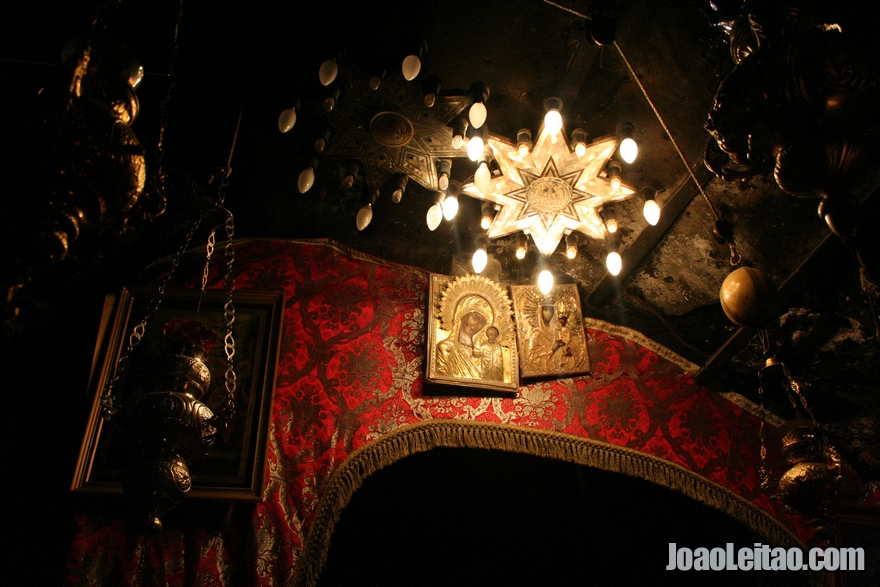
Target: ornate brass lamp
x=169, y=426
x=811, y=482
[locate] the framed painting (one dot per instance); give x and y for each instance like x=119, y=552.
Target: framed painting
x=471, y=334
x=550, y=329
x=233, y=468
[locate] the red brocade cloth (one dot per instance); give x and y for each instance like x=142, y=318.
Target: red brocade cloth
x=351, y=371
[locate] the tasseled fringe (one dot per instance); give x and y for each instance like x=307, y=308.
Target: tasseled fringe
x=409, y=440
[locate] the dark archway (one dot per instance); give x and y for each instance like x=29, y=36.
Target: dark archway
x=460, y=516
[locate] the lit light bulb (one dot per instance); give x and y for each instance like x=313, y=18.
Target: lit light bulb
x=450, y=207
x=523, y=149
x=629, y=150
x=397, y=195
x=545, y=282
x=611, y=225
x=571, y=245
x=411, y=67
x=327, y=72
x=580, y=149
x=479, y=260
x=348, y=181
x=443, y=182
x=457, y=141
x=287, y=119
x=521, y=253
x=614, y=263
x=615, y=186
x=365, y=216
x=486, y=215
x=553, y=121
x=306, y=180
x=475, y=148
x=477, y=114
x=651, y=210
x=482, y=177
x=435, y=215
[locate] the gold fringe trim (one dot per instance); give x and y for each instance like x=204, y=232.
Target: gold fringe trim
x=638, y=337
x=409, y=440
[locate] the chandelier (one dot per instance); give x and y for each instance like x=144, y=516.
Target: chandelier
x=397, y=128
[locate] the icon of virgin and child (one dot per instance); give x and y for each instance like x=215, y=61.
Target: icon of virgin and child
x=473, y=348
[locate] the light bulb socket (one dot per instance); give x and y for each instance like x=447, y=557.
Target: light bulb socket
x=553, y=103
x=321, y=141
x=571, y=240
x=400, y=181
x=482, y=242
x=351, y=174
x=431, y=86
x=454, y=189
x=332, y=97
x=613, y=169
x=444, y=167
x=524, y=137
x=625, y=130
x=612, y=242
x=417, y=46
x=487, y=214
x=312, y=162
x=370, y=197
x=481, y=132
x=459, y=127
x=376, y=80
x=649, y=193
x=439, y=196
x=487, y=156
x=479, y=92
x=578, y=135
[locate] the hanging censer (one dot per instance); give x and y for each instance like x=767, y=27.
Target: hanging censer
x=169, y=426
x=811, y=482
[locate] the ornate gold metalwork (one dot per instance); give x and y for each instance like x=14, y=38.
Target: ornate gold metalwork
x=390, y=130
x=471, y=338
x=550, y=190
x=551, y=331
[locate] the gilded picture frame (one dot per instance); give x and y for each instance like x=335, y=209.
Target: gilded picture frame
x=550, y=331
x=234, y=467
x=471, y=334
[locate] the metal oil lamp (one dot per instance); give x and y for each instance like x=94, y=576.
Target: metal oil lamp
x=170, y=426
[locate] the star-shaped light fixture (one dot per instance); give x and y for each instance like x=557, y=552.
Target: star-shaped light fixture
x=390, y=129
x=550, y=191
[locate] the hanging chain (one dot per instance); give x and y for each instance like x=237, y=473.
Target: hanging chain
x=735, y=257
x=231, y=379
x=229, y=313
x=108, y=399
x=209, y=252
x=763, y=472
x=166, y=100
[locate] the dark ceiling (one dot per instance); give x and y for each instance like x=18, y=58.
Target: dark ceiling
x=255, y=58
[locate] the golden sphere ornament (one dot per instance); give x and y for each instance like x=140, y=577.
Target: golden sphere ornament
x=748, y=297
